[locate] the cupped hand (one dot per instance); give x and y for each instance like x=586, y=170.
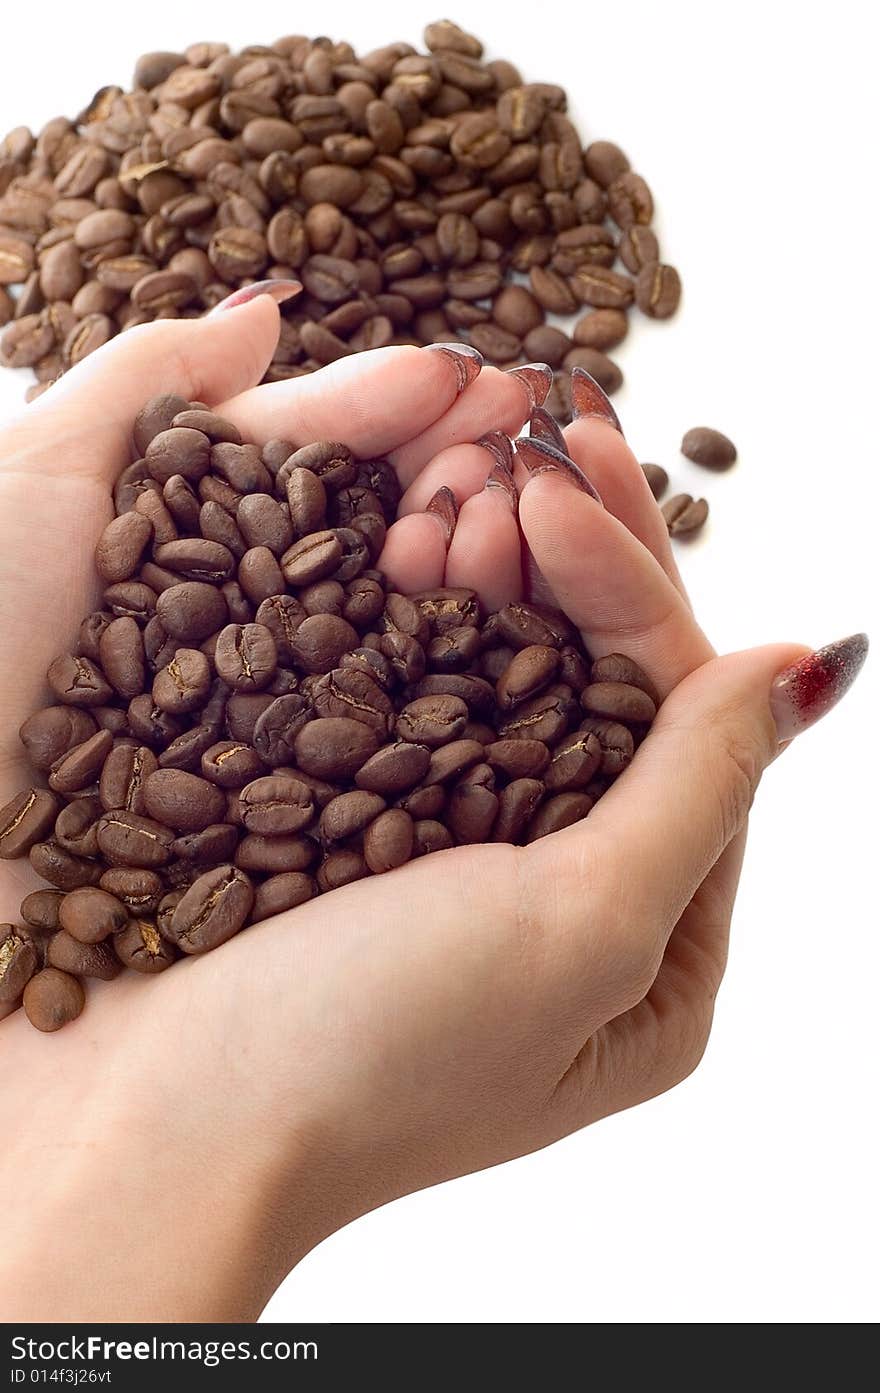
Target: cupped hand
x=207, y=1126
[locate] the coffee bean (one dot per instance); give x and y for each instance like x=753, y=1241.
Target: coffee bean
x=142, y=947
x=246, y=657
x=25, y=821
x=139, y=890
x=52, y=999
x=605, y=162
x=630, y=200
x=432, y=720
x=615, y=667
x=600, y=329
x=276, y=727
x=212, y=910
x=182, y=684
x=80, y=767
x=471, y=812
x=430, y=836
x=708, y=447
x=528, y=672
x=518, y=759
x=68, y=954
x=50, y=733
x=281, y=892
x=348, y=814
x=657, y=478
x=388, y=841
x=616, y=742
x=601, y=287
x=39, y=910
x=129, y=839
x=122, y=657
x=658, y=290
x=90, y=914
x=334, y=747
x=522, y=625
x=517, y=804
x=684, y=514
x=183, y=801
x=575, y=761
x=18, y=962
x=191, y=611
x=276, y=805
x=276, y=855
x=559, y=812
x=546, y=718
x=639, y=248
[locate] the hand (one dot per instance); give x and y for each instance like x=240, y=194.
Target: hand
x=192, y=1135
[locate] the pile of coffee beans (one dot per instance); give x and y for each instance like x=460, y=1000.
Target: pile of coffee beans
x=253, y=716
x=418, y=197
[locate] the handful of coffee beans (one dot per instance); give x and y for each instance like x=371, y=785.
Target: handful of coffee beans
x=419, y=198
x=253, y=717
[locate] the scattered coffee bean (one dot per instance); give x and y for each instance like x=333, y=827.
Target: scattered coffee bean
x=684, y=514
x=708, y=447
x=52, y=999
x=657, y=477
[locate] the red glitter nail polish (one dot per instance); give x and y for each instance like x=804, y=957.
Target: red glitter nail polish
x=444, y=508
x=588, y=399
x=804, y=692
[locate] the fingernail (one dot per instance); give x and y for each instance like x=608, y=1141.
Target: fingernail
x=541, y=458
x=537, y=378
x=500, y=447
x=465, y=359
x=804, y=692
x=588, y=399
x=445, y=509
x=543, y=426
x=279, y=291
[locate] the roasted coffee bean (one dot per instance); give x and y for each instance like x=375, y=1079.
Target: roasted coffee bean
x=78, y=681
x=658, y=290
x=25, y=820
x=129, y=839
x=605, y=162
x=68, y=954
x=630, y=200
x=281, y=892
x=140, y=946
x=450, y=761
x=575, y=761
x=231, y=764
x=615, y=667
x=52, y=999
x=708, y=447
x=522, y=625
x=50, y=733
x=471, y=812
x=529, y=672
x=517, y=804
x=546, y=718
x=182, y=685
x=388, y=841
x=121, y=545
x=80, y=767
x=559, y=812
x=212, y=910
x=657, y=478
x=518, y=759
x=39, y=910
x=432, y=720
x=139, y=890
x=430, y=836
x=276, y=805
x=19, y=961
x=343, y=692
x=196, y=558
x=601, y=329
x=191, y=611
x=333, y=747
x=616, y=742
x=276, y=855
x=76, y=826
x=348, y=814
x=90, y=914
x=209, y=846
x=122, y=657
x=246, y=657
x=684, y=514
x=183, y=801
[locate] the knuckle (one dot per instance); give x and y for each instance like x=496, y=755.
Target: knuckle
x=738, y=773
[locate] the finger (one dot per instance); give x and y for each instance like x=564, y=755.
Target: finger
x=607, y=460
x=607, y=582
x=198, y=359
x=497, y=401
x=463, y=468
x=414, y=555
x=658, y=1042
x=371, y=401
x=486, y=552
x=661, y=828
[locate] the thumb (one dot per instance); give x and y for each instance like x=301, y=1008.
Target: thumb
x=664, y=824
x=209, y=360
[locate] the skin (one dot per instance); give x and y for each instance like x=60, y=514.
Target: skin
x=179, y=1147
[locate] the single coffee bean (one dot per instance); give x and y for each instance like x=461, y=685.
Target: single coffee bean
x=90, y=914
x=121, y=545
x=615, y=667
x=529, y=672
x=657, y=478
x=348, y=814
x=231, y=764
x=616, y=742
x=246, y=657
x=139, y=890
x=52, y=999
x=547, y=717
x=18, y=962
x=388, y=841
x=333, y=747
x=658, y=290
x=521, y=624
x=638, y=248
x=62, y=868
x=50, y=733
x=196, y=558
x=320, y=641
x=575, y=762
x=630, y=200
x=78, y=681
x=449, y=762
x=275, y=805
x=276, y=855
x=394, y=768
x=518, y=759
x=281, y=892
x=39, y=910
x=517, y=804
x=432, y=720
x=212, y=910
x=430, y=836
x=345, y=692
x=684, y=515
x=191, y=611
x=601, y=329
x=183, y=801
x=209, y=846
x=471, y=812
x=128, y=839
x=182, y=685
x=708, y=447
x=557, y=813
x=140, y=946
x=341, y=868
x=25, y=821
x=76, y=826
x=618, y=701
x=68, y=954
x=605, y=162
x=80, y=767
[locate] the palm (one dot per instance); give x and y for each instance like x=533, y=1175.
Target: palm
x=444, y=982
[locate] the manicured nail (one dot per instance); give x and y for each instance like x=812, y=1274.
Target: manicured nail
x=279, y=291
x=465, y=359
x=500, y=447
x=804, y=692
x=537, y=378
x=541, y=458
x=588, y=399
x=543, y=426
x=444, y=507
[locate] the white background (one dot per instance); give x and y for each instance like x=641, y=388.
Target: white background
x=750, y=1193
